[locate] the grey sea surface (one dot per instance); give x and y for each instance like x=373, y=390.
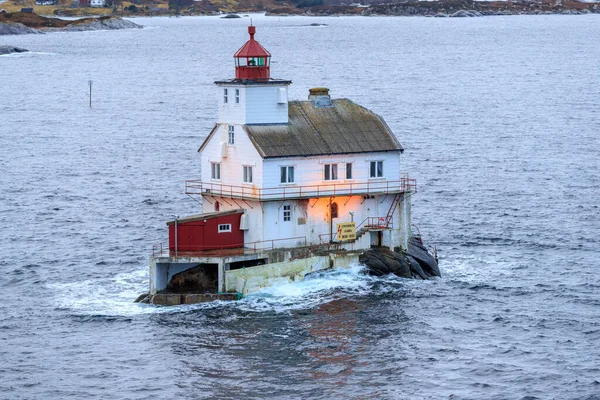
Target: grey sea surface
x=500, y=122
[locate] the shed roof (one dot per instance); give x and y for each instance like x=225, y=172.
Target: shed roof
x=343, y=128
x=202, y=217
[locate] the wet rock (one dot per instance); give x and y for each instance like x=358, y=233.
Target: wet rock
x=415, y=262
x=16, y=28
x=11, y=49
x=199, y=278
x=143, y=298
x=417, y=251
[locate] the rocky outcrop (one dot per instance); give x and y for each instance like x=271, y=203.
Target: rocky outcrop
x=11, y=49
x=24, y=23
x=415, y=262
x=97, y=24
x=15, y=28
x=446, y=8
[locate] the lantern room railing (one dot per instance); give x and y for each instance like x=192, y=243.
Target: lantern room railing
x=286, y=192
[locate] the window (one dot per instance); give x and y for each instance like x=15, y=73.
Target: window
x=231, y=135
x=215, y=170
x=224, y=228
x=376, y=170
x=331, y=172
x=287, y=174
x=287, y=213
x=225, y=96
x=247, y=174
x=237, y=96
x=348, y=170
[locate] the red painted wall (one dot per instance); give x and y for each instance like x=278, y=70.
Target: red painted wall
x=204, y=234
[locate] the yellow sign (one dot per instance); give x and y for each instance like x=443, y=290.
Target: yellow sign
x=346, y=231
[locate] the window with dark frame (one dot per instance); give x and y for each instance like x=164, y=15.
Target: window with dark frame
x=225, y=96
x=287, y=212
x=237, y=96
x=348, y=170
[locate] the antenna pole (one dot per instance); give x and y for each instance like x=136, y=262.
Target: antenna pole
x=90, y=83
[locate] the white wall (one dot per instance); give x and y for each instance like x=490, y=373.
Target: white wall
x=258, y=104
x=241, y=153
x=309, y=170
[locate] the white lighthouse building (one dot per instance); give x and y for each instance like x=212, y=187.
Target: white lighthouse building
x=286, y=187
x=298, y=169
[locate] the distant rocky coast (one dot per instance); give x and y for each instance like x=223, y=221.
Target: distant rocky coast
x=28, y=23
x=450, y=8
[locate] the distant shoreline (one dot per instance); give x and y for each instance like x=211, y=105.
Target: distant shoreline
x=447, y=8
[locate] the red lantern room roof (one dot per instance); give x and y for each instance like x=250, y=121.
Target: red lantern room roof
x=252, y=48
x=252, y=61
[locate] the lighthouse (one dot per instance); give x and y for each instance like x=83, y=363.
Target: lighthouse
x=286, y=187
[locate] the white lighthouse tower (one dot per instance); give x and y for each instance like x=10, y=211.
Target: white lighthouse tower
x=252, y=97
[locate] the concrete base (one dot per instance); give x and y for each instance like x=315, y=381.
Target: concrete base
x=175, y=299
x=280, y=266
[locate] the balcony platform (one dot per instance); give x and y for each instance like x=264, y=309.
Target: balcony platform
x=289, y=192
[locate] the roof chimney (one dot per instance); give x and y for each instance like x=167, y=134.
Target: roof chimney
x=320, y=97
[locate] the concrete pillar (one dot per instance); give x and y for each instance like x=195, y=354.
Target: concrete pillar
x=158, y=276
x=221, y=270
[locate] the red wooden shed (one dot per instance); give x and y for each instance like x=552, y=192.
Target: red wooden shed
x=211, y=231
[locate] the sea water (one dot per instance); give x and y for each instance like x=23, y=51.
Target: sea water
x=499, y=120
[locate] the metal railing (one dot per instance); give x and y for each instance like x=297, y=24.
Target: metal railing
x=373, y=223
x=198, y=187
x=162, y=249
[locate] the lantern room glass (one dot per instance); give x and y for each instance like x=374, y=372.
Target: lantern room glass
x=252, y=61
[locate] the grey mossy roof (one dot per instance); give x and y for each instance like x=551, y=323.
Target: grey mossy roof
x=344, y=128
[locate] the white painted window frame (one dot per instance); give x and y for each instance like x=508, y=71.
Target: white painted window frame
x=230, y=135
x=330, y=169
x=215, y=171
x=349, y=164
x=247, y=173
x=287, y=174
x=376, y=163
x=224, y=228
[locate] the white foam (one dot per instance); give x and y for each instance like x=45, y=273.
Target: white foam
x=114, y=296
x=313, y=290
